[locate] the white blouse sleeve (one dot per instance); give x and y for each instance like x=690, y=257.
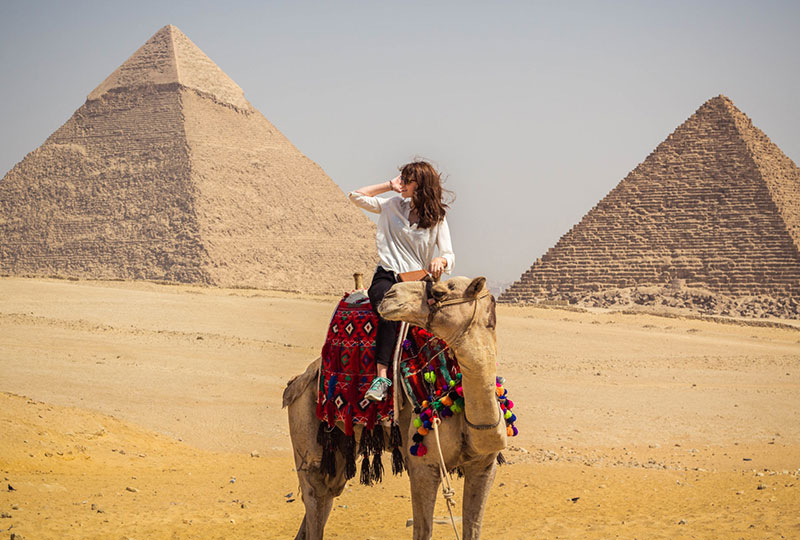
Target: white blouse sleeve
x=445, y=245
x=370, y=204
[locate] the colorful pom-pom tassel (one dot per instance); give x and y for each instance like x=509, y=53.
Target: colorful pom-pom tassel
x=510, y=431
x=446, y=401
x=417, y=422
x=422, y=431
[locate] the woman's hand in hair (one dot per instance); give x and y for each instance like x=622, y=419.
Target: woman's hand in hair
x=437, y=266
x=396, y=184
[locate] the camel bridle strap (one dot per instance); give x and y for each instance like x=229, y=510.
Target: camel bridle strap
x=437, y=306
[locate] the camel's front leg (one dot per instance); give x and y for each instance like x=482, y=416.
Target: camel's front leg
x=478, y=479
x=424, y=479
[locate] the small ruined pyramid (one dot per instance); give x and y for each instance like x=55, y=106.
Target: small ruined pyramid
x=715, y=206
x=168, y=173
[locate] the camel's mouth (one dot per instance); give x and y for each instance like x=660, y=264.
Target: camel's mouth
x=390, y=309
x=403, y=302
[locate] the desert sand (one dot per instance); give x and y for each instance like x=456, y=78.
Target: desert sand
x=138, y=410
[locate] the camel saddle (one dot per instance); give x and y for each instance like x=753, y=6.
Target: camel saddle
x=348, y=366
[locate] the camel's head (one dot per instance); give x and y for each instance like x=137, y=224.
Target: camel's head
x=447, y=308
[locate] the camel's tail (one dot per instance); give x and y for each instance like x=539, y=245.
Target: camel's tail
x=298, y=384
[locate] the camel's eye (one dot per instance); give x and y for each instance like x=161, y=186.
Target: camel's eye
x=438, y=294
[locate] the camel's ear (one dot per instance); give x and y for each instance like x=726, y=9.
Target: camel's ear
x=475, y=287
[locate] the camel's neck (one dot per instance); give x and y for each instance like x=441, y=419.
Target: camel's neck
x=477, y=358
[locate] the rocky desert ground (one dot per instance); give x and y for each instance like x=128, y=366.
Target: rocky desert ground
x=146, y=411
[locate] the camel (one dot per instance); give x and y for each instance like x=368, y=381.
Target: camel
x=462, y=312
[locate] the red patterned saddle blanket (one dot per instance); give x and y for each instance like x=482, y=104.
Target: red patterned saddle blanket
x=348, y=366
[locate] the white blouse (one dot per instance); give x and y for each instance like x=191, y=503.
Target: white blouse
x=402, y=246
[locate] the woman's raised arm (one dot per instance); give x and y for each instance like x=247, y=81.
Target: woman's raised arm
x=365, y=197
x=377, y=189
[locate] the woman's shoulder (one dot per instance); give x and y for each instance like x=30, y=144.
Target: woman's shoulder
x=395, y=202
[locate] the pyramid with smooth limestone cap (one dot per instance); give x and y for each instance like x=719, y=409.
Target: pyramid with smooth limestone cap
x=168, y=173
x=715, y=206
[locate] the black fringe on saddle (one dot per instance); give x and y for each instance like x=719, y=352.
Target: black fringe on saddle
x=377, y=468
x=363, y=444
x=377, y=443
x=366, y=474
x=501, y=459
x=395, y=440
x=363, y=449
x=348, y=449
x=371, y=445
x=328, y=440
x=377, y=447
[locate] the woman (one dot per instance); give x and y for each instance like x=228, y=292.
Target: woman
x=410, y=228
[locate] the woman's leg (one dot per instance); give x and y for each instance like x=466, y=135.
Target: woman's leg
x=386, y=333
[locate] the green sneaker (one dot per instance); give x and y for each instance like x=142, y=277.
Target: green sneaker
x=378, y=389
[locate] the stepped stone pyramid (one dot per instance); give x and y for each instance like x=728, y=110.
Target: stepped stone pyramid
x=168, y=173
x=714, y=206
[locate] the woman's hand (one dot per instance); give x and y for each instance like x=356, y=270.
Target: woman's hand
x=396, y=184
x=437, y=266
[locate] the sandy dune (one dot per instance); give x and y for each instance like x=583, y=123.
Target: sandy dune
x=658, y=427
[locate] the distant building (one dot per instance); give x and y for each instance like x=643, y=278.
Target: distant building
x=168, y=173
x=715, y=206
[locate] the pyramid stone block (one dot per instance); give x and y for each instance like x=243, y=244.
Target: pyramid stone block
x=168, y=173
x=715, y=206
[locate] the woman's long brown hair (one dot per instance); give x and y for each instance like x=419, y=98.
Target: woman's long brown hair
x=427, y=198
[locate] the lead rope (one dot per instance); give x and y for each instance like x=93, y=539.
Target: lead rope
x=447, y=488
x=398, y=347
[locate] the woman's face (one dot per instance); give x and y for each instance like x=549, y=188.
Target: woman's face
x=407, y=189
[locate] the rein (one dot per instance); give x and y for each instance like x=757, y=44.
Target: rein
x=436, y=306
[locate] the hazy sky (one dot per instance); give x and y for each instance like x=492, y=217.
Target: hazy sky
x=533, y=110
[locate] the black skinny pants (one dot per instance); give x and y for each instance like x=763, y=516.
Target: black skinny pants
x=386, y=335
